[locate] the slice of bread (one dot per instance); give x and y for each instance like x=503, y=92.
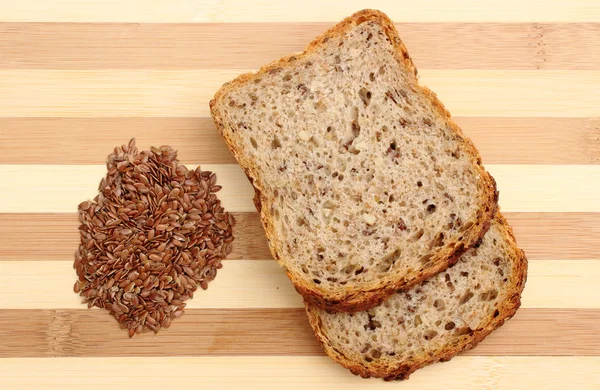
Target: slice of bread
x=364, y=183
x=443, y=316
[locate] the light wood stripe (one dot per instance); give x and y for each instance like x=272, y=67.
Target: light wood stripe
x=523, y=188
x=240, y=284
x=546, y=188
x=43, y=237
x=65, y=186
x=562, y=284
x=257, y=372
x=150, y=46
x=172, y=93
x=202, y=11
x=263, y=284
x=499, y=140
x=218, y=332
x=100, y=93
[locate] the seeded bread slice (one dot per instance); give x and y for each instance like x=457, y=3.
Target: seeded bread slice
x=433, y=321
x=364, y=183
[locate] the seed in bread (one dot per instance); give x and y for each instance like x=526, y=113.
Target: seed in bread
x=364, y=183
x=433, y=321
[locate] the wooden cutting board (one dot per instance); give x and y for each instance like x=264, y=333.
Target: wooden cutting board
x=77, y=78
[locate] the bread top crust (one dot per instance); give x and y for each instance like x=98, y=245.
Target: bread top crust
x=360, y=278
x=445, y=315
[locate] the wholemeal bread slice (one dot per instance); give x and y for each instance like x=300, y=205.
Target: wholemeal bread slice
x=364, y=183
x=433, y=321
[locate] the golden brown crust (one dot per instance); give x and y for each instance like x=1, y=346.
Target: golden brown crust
x=353, y=301
x=402, y=370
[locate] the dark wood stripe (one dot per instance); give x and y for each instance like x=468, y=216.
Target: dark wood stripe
x=557, y=236
x=534, y=140
x=90, y=140
x=249, y=45
x=213, y=332
x=545, y=236
x=55, y=237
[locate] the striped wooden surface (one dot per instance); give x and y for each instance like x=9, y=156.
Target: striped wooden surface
x=79, y=77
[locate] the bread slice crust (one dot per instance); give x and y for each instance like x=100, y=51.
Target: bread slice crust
x=352, y=300
x=401, y=370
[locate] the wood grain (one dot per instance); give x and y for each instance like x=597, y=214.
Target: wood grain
x=523, y=188
x=44, y=237
x=304, y=372
x=556, y=188
x=249, y=45
x=79, y=77
x=177, y=93
x=65, y=186
x=89, y=140
x=557, y=235
x=202, y=11
x=263, y=284
x=240, y=284
x=227, y=332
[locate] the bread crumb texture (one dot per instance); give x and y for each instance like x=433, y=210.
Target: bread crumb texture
x=363, y=178
x=435, y=319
